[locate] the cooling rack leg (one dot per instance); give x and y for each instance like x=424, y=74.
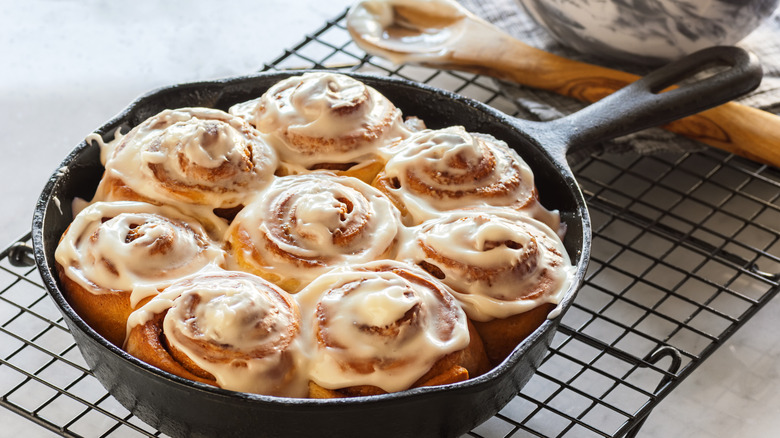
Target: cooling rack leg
x=658, y=354
x=633, y=433
x=20, y=255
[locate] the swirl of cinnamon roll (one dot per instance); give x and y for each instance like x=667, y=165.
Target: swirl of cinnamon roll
x=190, y=156
x=506, y=269
x=302, y=225
x=115, y=254
x=229, y=329
x=386, y=326
x=440, y=170
x=499, y=262
x=326, y=121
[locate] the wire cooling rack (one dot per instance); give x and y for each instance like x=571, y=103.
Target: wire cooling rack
x=685, y=251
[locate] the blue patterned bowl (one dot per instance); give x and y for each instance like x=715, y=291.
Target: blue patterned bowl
x=648, y=31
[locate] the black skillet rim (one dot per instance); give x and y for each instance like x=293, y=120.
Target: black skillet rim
x=473, y=384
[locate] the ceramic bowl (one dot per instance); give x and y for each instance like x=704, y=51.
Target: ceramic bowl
x=648, y=31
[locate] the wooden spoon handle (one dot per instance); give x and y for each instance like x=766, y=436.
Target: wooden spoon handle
x=736, y=128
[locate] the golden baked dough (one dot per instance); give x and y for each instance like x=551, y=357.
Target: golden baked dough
x=500, y=264
x=114, y=255
x=326, y=121
x=304, y=225
x=228, y=329
x=190, y=157
x=386, y=326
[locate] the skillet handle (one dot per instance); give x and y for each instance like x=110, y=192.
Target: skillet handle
x=660, y=97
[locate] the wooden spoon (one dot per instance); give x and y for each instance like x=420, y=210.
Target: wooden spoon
x=444, y=35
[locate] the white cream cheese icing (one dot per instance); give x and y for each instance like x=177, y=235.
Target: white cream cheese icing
x=383, y=326
x=198, y=156
x=249, y=326
x=499, y=262
x=406, y=31
x=322, y=117
x=133, y=246
x=434, y=171
x=302, y=225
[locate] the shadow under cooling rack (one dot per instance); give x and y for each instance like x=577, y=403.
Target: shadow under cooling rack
x=685, y=251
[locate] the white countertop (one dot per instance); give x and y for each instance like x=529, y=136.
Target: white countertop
x=69, y=66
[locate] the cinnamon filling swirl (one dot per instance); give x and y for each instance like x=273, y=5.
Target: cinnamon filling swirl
x=230, y=329
x=115, y=255
x=439, y=170
x=325, y=121
x=499, y=262
x=302, y=225
x=383, y=324
x=194, y=156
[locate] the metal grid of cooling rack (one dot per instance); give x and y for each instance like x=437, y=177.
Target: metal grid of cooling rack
x=686, y=249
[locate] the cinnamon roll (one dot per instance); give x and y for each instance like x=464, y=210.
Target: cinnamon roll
x=188, y=156
x=302, y=225
x=115, y=255
x=507, y=270
x=439, y=170
x=326, y=121
x=228, y=329
x=386, y=326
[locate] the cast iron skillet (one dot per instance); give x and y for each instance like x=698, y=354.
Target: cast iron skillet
x=180, y=407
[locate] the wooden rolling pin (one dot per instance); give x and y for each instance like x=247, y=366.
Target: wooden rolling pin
x=736, y=128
